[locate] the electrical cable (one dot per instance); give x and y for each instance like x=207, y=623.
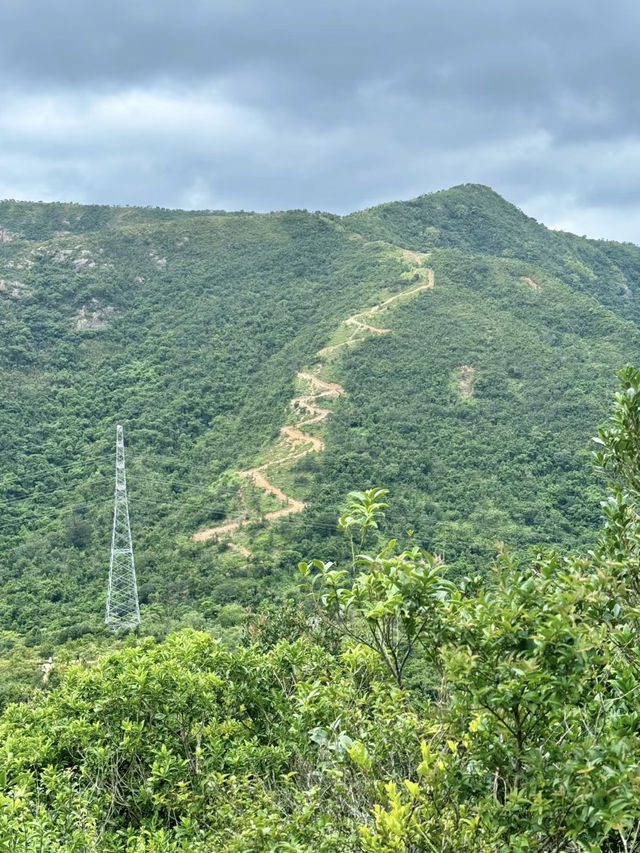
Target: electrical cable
x=191, y=488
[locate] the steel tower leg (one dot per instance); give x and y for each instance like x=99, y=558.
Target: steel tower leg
x=123, y=610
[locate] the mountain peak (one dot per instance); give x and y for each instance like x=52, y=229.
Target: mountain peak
x=470, y=216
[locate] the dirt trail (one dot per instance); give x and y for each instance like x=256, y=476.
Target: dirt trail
x=296, y=439
x=301, y=443
x=353, y=322
x=426, y=285
x=414, y=257
x=261, y=482
x=318, y=413
x=327, y=387
x=359, y=324
x=530, y=281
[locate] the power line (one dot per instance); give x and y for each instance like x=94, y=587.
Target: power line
x=140, y=477
x=140, y=499
x=72, y=488
x=36, y=495
x=54, y=468
x=134, y=458
x=191, y=488
x=106, y=453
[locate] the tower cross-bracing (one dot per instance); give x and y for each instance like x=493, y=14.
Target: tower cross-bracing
x=123, y=610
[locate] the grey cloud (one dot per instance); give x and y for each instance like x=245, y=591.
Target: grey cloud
x=495, y=46
x=334, y=104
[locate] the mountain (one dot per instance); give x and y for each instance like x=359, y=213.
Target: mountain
x=449, y=348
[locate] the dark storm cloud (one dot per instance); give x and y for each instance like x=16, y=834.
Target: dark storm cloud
x=266, y=103
x=497, y=51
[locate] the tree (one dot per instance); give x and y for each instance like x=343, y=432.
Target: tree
x=536, y=748
x=396, y=603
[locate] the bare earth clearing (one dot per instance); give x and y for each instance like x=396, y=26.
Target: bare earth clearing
x=465, y=385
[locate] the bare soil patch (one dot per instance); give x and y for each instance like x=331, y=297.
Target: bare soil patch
x=465, y=385
x=93, y=316
x=413, y=257
x=15, y=289
x=353, y=322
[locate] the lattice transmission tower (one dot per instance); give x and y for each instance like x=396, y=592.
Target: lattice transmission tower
x=123, y=610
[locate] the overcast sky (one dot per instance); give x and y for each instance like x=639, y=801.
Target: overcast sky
x=325, y=104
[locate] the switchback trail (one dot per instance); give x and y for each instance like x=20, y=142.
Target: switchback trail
x=357, y=320
x=298, y=442
x=296, y=439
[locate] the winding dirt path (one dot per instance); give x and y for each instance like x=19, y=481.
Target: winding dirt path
x=353, y=322
x=239, y=548
x=301, y=443
x=356, y=321
x=296, y=439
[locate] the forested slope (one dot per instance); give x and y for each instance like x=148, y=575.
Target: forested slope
x=395, y=711
x=480, y=404
x=190, y=337
x=476, y=219
x=475, y=408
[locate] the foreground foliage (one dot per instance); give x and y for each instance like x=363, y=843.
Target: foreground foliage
x=512, y=724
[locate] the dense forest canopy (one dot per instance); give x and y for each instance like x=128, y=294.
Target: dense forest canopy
x=473, y=400
x=396, y=710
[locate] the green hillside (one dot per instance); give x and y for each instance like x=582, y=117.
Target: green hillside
x=473, y=402
x=395, y=712
x=342, y=692
x=476, y=219
x=481, y=404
